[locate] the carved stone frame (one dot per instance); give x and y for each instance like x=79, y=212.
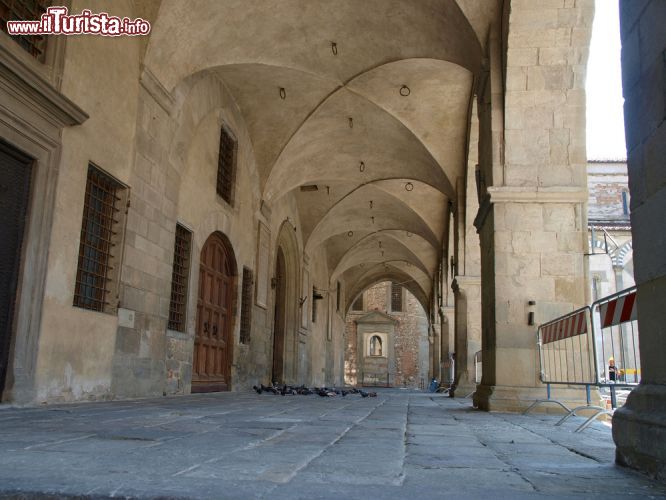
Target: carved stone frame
x=32, y=116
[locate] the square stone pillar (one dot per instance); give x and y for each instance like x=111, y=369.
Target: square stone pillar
x=467, y=290
x=533, y=189
x=639, y=427
x=532, y=250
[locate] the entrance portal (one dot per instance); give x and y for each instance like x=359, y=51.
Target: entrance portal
x=15, y=173
x=279, y=319
x=213, y=348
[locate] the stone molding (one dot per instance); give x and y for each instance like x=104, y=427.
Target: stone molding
x=33, y=90
x=32, y=116
x=509, y=194
x=517, y=194
x=375, y=317
x=158, y=91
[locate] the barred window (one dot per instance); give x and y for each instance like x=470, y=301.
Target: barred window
x=179, y=277
x=396, y=297
x=25, y=10
x=246, y=306
x=226, y=166
x=358, y=304
x=101, y=240
x=338, y=293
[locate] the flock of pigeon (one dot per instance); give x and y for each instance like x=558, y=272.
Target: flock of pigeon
x=324, y=392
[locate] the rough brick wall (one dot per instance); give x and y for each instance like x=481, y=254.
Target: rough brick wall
x=410, y=342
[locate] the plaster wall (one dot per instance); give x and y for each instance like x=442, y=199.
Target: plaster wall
x=76, y=346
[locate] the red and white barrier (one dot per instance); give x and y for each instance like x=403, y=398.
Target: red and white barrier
x=568, y=326
x=619, y=310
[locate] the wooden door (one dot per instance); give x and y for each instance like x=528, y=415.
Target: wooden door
x=279, y=319
x=212, y=344
x=15, y=174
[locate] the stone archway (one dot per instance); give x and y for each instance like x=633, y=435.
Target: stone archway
x=279, y=323
x=286, y=350
x=213, y=342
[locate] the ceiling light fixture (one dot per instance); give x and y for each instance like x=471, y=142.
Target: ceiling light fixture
x=283, y=93
x=334, y=48
x=351, y=122
x=409, y=187
x=404, y=91
x=361, y=167
x=350, y=233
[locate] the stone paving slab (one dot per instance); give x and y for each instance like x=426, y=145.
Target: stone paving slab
x=401, y=444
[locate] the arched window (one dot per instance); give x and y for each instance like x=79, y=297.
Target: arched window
x=375, y=346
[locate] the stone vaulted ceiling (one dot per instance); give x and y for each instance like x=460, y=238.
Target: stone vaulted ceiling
x=385, y=164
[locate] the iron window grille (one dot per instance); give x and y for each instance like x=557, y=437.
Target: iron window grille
x=25, y=10
x=179, y=279
x=101, y=237
x=226, y=166
x=338, y=293
x=246, y=306
x=358, y=303
x=396, y=297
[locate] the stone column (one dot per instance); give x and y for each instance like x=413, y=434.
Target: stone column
x=466, y=285
x=639, y=427
x=447, y=314
x=532, y=218
x=467, y=290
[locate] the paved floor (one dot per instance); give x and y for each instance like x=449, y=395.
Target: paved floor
x=401, y=444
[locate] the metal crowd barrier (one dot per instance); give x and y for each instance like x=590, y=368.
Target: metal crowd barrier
x=616, y=334
x=574, y=350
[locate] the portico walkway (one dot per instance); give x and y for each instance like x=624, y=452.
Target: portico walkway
x=401, y=444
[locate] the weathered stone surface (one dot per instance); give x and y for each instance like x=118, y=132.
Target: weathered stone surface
x=400, y=444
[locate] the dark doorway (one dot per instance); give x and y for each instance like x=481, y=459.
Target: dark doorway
x=280, y=318
x=213, y=348
x=15, y=174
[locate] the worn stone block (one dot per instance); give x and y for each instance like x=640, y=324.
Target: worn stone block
x=527, y=147
x=516, y=79
x=534, y=19
x=524, y=216
x=559, y=217
x=523, y=57
x=532, y=38
x=549, y=77
x=557, y=264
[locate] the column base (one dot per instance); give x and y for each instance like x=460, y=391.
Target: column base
x=463, y=390
x=517, y=399
x=639, y=431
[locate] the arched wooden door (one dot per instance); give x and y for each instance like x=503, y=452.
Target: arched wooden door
x=212, y=343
